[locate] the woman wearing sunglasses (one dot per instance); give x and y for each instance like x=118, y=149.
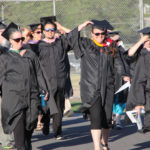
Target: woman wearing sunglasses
x=36, y=33
x=97, y=85
x=21, y=80
x=35, y=37
x=26, y=33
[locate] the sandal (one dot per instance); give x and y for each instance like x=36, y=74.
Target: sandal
x=104, y=146
x=39, y=126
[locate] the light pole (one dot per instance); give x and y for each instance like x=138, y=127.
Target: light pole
x=2, y=11
x=141, y=6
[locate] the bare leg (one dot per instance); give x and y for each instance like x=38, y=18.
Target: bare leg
x=105, y=135
x=39, y=118
x=118, y=119
x=96, y=133
x=39, y=123
x=67, y=106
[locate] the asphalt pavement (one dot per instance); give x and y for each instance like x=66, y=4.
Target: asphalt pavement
x=76, y=132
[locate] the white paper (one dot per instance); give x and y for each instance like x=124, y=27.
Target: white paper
x=132, y=115
x=123, y=87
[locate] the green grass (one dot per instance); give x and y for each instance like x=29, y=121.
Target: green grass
x=146, y=15
x=75, y=106
x=75, y=79
x=75, y=101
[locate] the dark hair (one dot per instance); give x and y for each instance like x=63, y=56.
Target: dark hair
x=113, y=50
x=11, y=31
x=55, y=26
x=103, y=29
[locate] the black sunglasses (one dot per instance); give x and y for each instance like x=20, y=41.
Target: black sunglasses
x=47, y=30
x=97, y=34
x=38, y=32
x=19, y=39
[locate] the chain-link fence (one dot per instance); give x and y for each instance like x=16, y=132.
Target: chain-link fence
x=124, y=15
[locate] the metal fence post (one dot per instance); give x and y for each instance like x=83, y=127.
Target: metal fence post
x=141, y=6
x=54, y=7
x=2, y=11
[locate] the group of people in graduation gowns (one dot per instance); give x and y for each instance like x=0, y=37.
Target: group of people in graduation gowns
x=139, y=94
x=22, y=79
x=41, y=64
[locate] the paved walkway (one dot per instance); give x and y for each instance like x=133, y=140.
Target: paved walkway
x=77, y=137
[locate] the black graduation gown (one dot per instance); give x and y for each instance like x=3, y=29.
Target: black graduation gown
x=51, y=105
x=3, y=49
x=53, y=59
x=123, y=57
x=68, y=85
x=32, y=46
x=97, y=74
x=132, y=60
x=21, y=79
x=121, y=69
x=140, y=89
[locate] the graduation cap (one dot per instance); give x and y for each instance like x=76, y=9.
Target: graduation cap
x=2, y=25
x=45, y=20
x=10, y=28
x=113, y=33
x=33, y=27
x=145, y=30
x=103, y=24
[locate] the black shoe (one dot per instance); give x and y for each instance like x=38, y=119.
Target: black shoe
x=143, y=130
x=46, y=121
x=140, y=131
x=45, y=129
x=119, y=126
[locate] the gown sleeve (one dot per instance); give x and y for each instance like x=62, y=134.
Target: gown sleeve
x=77, y=43
x=137, y=92
x=3, y=64
x=45, y=85
x=40, y=75
x=126, y=68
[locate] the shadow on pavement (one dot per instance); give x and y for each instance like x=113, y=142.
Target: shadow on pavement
x=74, y=121
x=73, y=136
x=118, y=134
x=142, y=146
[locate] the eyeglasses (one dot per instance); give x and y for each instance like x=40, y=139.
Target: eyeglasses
x=97, y=34
x=38, y=32
x=19, y=39
x=47, y=30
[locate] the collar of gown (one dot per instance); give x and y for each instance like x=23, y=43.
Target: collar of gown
x=16, y=51
x=49, y=40
x=108, y=42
